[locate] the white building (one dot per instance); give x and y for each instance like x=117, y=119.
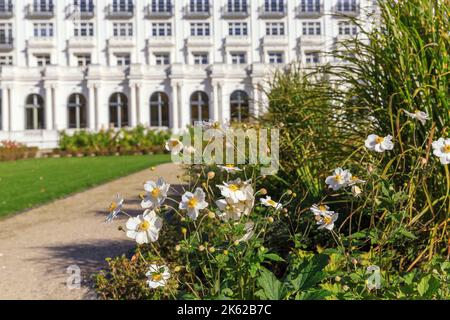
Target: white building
x=90, y=64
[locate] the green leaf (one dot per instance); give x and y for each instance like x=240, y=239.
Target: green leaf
x=271, y=287
x=308, y=273
x=407, y=233
x=273, y=257
x=428, y=285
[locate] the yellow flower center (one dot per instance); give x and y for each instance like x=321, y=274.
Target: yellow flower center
x=327, y=220
x=379, y=140
x=322, y=208
x=156, y=192
x=144, y=226
x=338, y=178
x=230, y=166
x=173, y=143
x=192, y=203
x=112, y=206
x=233, y=188
x=446, y=148
x=272, y=203
x=157, y=277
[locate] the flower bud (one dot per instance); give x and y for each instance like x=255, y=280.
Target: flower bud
x=177, y=247
x=225, y=252
x=263, y=191
x=338, y=279
x=152, y=169
x=212, y=249
x=201, y=248
x=183, y=230
x=236, y=243
x=270, y=219
x=211, y=215
x=211, y=175
x=289, y=192
x=177, y=269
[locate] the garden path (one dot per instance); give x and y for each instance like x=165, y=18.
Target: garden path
x=38, y=246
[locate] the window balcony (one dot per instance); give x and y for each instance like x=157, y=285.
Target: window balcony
x=347, y=10
x=6, y=44
x=6, y=12
x=80, y=12
x=234, y=12
x=275, y=41
x=81, y=42
x=159, y=12
x=237, y=41
x=41, y=43
x=311, y=41
x=158, y=42
x=40, y=12
x=310, y=12
x=273, y=12
x=199, y=42
x=194, y=12
x=120, y=12
x=121, y=42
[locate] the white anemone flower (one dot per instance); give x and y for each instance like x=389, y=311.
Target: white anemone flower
x=355, y=180
x=418, y=115
x=321, y=209
x=157, y=276
x=234, y=190
x=115, y=208
x=156, y=193
x=326, y=221
x=249, y=232
x=229, y=168
x=193, y=203
x=268, y=202
x=356, y=191
x=379, y=144
x=234, y=211
x=441, y=149
x=144, y=228
x=174, y=146
x=340, y=179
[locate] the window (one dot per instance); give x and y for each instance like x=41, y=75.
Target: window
x=34, y=112
x=311, y=29
x=118, y=110
x=159, y=110
x=276, y=57
x=6, y=36
x=43, y=5
x=346, y=5
x=123, y=5
x=6, y=60
x=6, y=5
x=200, y=29
x=201, y=58
x=123, y=29
x=84, y=29
x=346, y=28
x=43, y=60
x=163, y=29
x=274, y=5
x=43, y=29
x=239, y=106
x=312, y=57
x=237, y=6
x=199, y=5
x=77, y=111
x=83, y=60
x=199, y=107
x=238, y=58
x=84, y=5
x=123, y=59
x=275, y=29
x=161, y=5
x=310, y=6
x=238, y=29
x=162, y=59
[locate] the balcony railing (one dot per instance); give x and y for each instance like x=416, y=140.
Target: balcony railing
x=6, y=11
x=120, y=12
x=273, y=11
x=236, y=12
x=159, y=12
x=197, y=12
x=304, y=11
x=6, y=43
x=40, y=12
x=81, y=12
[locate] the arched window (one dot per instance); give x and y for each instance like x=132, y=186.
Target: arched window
x=77, y=111
x=34, y=112
x=199, y=107
x=118, y=110
x=239, y=106
x=159, y=110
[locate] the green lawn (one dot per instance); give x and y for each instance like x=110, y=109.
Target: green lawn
x=27, y=183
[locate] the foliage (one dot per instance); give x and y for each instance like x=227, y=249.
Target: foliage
x=11, y=150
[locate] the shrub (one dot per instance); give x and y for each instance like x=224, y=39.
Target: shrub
x=10, y=150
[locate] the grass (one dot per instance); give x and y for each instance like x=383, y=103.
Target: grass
x=27, y=183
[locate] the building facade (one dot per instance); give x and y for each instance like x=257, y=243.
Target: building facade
x=92, y=64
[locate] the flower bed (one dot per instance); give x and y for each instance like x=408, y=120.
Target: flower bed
x=10, y=150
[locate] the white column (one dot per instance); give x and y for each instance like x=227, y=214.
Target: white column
x=5, y=109
x=132, y=105
x=184, y=108
x=91, y=109
x=175, y=116
x=48, y=108
x=138, y=104
x=54, y=109
x=215, y=111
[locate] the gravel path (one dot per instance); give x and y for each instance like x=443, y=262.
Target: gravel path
x=37, y=247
